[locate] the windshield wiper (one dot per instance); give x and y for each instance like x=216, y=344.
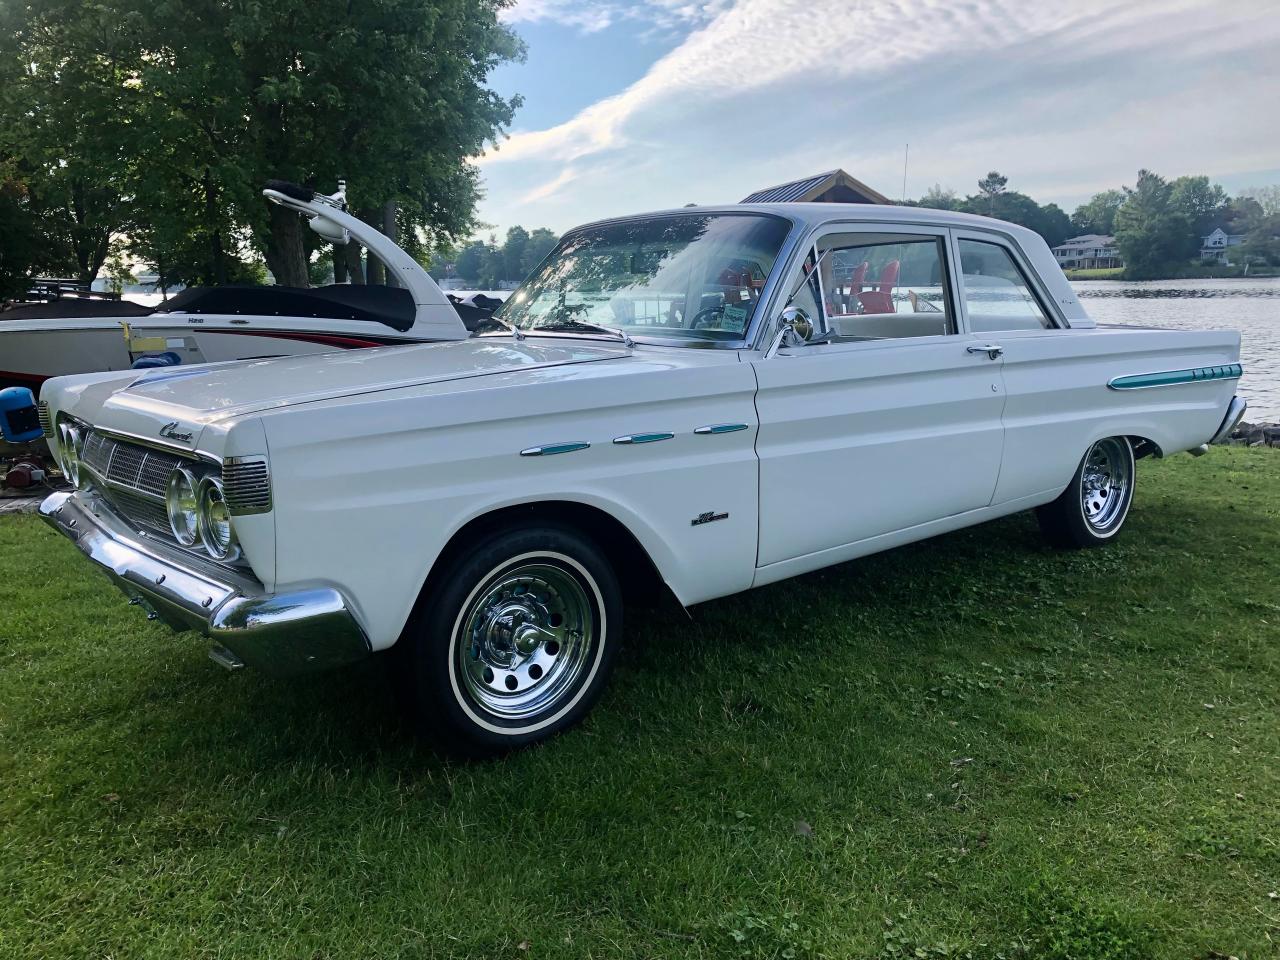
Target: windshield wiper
x=580, y=325
x=516, y=332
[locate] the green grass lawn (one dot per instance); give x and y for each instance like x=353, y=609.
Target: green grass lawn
x=970, y=746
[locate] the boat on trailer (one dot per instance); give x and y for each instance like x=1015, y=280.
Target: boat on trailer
x=214, y=324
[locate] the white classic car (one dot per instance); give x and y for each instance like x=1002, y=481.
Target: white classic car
x=709, y=399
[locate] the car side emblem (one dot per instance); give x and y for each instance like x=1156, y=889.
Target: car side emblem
x=170, y=431
x=709, y=517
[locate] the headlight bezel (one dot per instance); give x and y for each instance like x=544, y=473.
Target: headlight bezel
x=70, y=450
x=184, y=524
x=212, y=497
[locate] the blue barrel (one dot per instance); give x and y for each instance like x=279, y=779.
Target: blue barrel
x=19, y=419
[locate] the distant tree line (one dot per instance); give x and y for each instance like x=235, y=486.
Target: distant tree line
x=487, y=265
x=1158, y=224
x=149, y=127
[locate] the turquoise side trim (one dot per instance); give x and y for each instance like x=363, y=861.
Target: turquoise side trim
x=721, y=428
x=551, y=449
x=1230, y=371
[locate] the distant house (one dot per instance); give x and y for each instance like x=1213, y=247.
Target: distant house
x=834, y=186
x=1214, y=246
x=1093, y=251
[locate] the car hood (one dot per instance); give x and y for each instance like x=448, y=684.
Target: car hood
x=193, y=397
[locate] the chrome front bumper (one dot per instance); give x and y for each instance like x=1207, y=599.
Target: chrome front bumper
x=279, y=633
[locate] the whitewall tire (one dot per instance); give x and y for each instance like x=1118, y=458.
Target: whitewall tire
x=514, y=643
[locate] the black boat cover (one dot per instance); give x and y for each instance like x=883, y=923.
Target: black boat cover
x=392, y=306
x=71, y=308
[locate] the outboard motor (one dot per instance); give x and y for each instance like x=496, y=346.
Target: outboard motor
x=19, y=418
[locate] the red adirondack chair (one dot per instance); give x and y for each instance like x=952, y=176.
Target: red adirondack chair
x=880, y=300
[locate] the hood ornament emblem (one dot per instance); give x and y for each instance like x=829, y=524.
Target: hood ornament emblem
x=170, y=430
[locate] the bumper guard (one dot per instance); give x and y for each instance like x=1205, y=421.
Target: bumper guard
x=282, y=633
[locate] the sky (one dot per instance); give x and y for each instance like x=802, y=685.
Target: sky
x=650, y=104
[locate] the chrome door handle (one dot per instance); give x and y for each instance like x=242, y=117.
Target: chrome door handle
x=993, y=350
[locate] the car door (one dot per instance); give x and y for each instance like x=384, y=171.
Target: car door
x=893, y=423
x=1050, y=375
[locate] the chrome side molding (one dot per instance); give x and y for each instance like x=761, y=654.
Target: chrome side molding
x=1169, y=378
x=720, y=428
x=551, y=449
x=644, y=437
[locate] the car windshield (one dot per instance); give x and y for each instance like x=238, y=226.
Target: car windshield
x=690, y=276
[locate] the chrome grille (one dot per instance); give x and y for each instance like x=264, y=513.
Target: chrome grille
x=46, y=422
x=134, y=476
x=246, y=485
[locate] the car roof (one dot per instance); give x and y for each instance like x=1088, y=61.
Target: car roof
x=814, y=214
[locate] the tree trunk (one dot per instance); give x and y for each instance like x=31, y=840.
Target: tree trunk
x=339, y=263
x=389, y=227
x=373, y=272
x=355, y=267
x=217, y=254
x=286, y=255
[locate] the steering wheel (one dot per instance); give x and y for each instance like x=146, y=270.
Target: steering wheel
x=696, y=323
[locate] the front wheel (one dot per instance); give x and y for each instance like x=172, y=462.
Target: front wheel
x=1094, y=506
x=516, y=642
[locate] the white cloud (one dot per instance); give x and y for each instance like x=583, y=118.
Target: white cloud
x=591, y=16
x=1060, y=98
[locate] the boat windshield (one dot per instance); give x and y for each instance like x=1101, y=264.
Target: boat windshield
x=687, y=276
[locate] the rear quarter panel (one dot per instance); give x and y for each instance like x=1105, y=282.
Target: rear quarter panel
x=1058, y=401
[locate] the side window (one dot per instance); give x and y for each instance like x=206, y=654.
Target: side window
x=884, y=286
x=996, y=294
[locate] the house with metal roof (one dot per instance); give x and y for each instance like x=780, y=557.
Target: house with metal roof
x=834, y=186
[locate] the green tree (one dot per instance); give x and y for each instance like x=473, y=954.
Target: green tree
x=23, y=244
x=513, y=253
x=938, y=197
x=1099, y=214
x=991, y=186
x=1150, y=231
x=472, y=262
x=66, y=112
x=1267, y=198
x=541, y=242
x=164, y=118
x=119, y=273
x=1204, y=204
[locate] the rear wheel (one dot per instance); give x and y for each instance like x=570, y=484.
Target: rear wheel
x=1094, y=506
x=516, y=642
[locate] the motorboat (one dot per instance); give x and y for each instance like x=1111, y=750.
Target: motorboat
x=213, y=324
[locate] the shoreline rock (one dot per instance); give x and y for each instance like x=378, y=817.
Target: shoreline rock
x=1255, y=435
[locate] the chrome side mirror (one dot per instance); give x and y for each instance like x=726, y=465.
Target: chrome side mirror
x=794, y=329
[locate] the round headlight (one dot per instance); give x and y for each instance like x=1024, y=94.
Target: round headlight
x=72, y=441
x=182, y=503
x=215, y=520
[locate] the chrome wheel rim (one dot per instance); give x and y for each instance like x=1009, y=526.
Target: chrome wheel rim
x=1104, y=484
x=525, y=640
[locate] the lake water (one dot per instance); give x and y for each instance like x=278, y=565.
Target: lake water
x=1250, y=306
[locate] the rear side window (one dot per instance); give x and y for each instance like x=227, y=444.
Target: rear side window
x=996, y=294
